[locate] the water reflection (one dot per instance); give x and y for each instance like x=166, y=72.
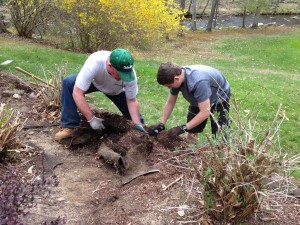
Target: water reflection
x=236, y=21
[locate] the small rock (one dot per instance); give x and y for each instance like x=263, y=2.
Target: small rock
x=33, y=95
x=17, y=96
x=181, y=212
x=295, y=193
x=260, y=24
x=61, y=199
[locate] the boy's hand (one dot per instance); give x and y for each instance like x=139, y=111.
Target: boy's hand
x=155, y=129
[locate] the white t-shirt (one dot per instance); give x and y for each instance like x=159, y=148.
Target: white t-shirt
x=94, y=71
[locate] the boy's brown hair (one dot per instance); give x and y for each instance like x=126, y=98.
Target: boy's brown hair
x=166, y=72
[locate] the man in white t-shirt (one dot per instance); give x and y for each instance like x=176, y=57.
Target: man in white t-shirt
x=109, y=72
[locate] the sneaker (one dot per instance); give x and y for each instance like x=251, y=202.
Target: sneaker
x=64, y=133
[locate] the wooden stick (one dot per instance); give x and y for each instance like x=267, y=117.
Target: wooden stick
x=33, y=76
x=171, y=184
x=38, y=85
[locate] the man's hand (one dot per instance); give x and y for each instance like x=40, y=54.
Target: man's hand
x=96, y=123
x=139, y=127
x=155, y=129
x=175, y=131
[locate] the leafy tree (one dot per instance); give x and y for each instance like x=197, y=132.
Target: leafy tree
x=106, y=24
x=29, y=16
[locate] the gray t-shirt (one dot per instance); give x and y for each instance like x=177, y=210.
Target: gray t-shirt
x=94, y=71
x=203, y=82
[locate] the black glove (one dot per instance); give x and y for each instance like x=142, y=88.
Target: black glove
x=155, y=129
x=175, y=131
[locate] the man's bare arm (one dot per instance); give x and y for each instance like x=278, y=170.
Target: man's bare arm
x=81, y=103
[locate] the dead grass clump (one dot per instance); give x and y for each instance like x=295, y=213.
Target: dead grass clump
x=235, y=174
x=10, y=124
x=50, y=90
x=51, y=93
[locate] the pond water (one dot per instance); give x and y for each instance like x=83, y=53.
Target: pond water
x=236, y=21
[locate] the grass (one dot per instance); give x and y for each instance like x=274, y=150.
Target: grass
x=268, y=74
x=36, y=58
x=262, y=67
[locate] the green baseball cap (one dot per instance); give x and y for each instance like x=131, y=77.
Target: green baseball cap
x=122, y=60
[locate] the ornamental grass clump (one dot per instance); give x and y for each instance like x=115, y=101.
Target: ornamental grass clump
x=51, y=93
x=49, y=90
x=10, y=124
x=235, y=174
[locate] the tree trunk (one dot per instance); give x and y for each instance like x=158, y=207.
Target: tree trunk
x=190, y=5
x=212, y=15
x=276, y=4
x=182, y=7
x=216, y=14
x=182, y=4
x=194, y=24
x=3, y=25
x=255, y=19
x=204, y=8
x=244, y=18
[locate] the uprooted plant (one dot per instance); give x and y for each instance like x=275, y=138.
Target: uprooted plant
x=10, y=124
x=234, y=174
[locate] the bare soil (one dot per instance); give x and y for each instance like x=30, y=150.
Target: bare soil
x=156, y=187
x=90, y=189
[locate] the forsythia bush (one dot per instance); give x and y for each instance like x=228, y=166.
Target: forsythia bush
x=106, y=24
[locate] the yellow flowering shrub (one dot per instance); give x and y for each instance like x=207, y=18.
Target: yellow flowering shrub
x=107, y=24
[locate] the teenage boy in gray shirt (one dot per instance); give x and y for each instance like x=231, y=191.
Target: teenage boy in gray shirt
x=204, y=87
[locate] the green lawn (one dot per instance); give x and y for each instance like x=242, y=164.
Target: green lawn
x=263, y=70
x=265, y=73
x=36, y=58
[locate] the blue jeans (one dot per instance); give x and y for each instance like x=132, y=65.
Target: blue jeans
x=69, y=114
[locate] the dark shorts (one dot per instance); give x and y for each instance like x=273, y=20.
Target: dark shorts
x=220, y=110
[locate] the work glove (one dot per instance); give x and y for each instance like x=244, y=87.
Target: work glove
x=139, y=127
x=155, y=129
x=175, y=131
x=96, y=123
